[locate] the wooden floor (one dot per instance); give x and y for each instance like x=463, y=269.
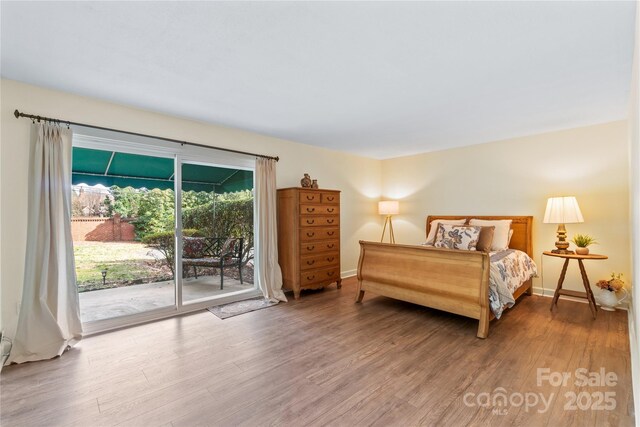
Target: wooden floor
x=324, y=360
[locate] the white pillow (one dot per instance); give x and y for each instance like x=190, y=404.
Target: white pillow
x=501, y=233
x=431, y=237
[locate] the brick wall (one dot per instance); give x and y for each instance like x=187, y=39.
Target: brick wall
x=93, y=229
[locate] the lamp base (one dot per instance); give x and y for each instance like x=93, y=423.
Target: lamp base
x=561, y=244
x=562, y=251
x=392, y=238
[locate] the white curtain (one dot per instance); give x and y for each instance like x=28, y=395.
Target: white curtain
x=266, y=258
x=49, y=318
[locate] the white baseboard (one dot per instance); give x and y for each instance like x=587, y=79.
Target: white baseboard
x=543, y=292
x=348, y=273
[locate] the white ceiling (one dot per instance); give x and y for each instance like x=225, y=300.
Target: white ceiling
x=380, y=79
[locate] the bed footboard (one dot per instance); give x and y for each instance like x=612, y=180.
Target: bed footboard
x=448, y=280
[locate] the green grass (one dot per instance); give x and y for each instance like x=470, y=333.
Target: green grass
x=126, y=263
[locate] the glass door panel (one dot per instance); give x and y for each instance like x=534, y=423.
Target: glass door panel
x=123, y=221
x=217, y=229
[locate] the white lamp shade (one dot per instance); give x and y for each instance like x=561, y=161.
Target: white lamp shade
x=389, y=207
x=562, y=210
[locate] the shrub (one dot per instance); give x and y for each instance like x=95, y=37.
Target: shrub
x=164, y=242
x=230, y=218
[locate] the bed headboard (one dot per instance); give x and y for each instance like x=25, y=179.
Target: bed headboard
x=521, y=226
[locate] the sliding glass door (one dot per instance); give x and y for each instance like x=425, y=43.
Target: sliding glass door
x=217, y=230
x=123, y=216
x=158, y=231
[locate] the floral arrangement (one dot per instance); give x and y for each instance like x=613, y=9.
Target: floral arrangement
x=613, y=285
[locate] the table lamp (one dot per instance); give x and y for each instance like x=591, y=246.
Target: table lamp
x=388, y=208
x=561, y=211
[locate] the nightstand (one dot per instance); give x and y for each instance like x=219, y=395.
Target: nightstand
x=588, y=294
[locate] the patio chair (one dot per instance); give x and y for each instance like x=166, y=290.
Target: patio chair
x=212, y=252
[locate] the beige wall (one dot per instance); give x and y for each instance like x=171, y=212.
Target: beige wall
x=515, y=177
x=512, y=177
x=357, y=177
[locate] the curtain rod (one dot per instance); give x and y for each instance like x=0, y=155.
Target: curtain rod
x=18, y=114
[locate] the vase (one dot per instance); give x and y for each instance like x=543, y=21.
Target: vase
x=608, y=300
x=314, y=184
x=582, y=251
x=305, y=182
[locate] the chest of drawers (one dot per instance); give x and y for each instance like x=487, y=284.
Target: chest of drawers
x=309, y=238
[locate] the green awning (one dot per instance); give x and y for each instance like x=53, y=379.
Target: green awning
x=110, y=168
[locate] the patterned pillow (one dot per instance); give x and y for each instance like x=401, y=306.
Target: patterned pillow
x=193, y=247
x=463, y=237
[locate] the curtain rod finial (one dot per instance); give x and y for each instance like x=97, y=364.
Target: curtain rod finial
x=17, y=114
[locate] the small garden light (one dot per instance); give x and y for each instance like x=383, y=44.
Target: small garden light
x=104, y=277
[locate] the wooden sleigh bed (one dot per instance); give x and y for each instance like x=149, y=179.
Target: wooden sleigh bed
x=450, y=280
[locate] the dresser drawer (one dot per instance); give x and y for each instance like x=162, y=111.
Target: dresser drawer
x=319, y=221
x=311, y=262
x=319, y=233
x=319, y=209
x=309, y=248
x=326, y=275
x=333, y=198
x=310, y=197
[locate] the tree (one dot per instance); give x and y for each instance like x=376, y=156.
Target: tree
x=155, y=212
x=126, y=201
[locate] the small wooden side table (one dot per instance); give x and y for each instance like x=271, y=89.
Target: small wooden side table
x=588, y=295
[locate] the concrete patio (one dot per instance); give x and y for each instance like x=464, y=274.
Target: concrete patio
x=115, y=302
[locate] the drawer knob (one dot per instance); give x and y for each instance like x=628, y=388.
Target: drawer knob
x=311, y=262
x=311, y=221
x=331, y=246
x=330, y=233
x=330, y=210
x=311, y=234
x=310, y=197
x=311, y=209
x=330, y=259
x=330, y=221
x=310, y=248
x=311, y=277
x=330, y=198
x=331, y=273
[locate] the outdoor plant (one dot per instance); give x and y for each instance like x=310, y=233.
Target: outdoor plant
x=231, y=215
x=164, y=242
x=583, y=240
